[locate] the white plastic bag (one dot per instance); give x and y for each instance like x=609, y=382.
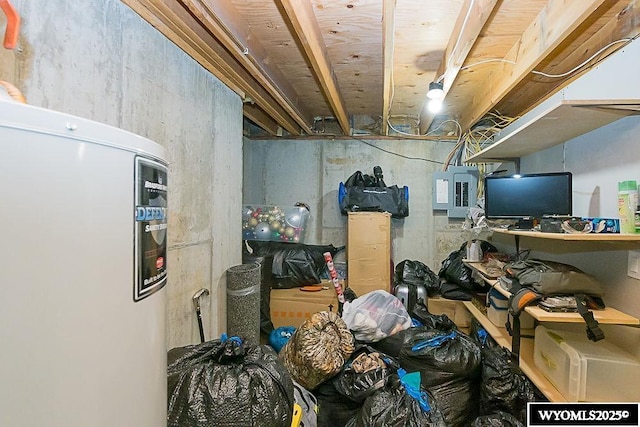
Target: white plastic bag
x=375, y=315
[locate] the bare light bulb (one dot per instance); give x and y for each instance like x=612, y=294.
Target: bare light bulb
x=435, y=105
x=435, y=91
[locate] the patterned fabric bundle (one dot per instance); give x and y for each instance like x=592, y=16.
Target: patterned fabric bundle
x=318, y=349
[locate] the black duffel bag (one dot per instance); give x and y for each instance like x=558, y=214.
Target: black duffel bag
x=365, y=193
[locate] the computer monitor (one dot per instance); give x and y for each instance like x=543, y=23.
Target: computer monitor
x=528, y=197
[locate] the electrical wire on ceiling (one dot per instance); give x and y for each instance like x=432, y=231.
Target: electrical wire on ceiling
x=475, y=139
x=426, y=136
x=372, y=145
x=588, y=60
x=565, y=74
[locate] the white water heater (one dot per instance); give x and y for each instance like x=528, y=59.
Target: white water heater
x=83, y=250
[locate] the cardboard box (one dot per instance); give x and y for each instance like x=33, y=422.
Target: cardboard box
x=454, y=309
x=369, y=251
x=604, y=225
x=291, y=307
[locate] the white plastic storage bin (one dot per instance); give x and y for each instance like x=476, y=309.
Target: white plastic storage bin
x=586, y=371
x=498, y=311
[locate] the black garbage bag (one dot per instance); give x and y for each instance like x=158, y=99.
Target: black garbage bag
x=453, y=270
x=334, y=409
x=226, y=383
x=294, y=264
x=393, y=345
x=441, y=322
x=480, y=335
x=450, y=366
x=450, y=290
x=449, y=362
x=418, y=274
x=366, y=371
x=498, y=419
x=458, y=400
x=504, y=387
x=341, y=397
x=394, y=406
x=440, y=356
x=295, y=267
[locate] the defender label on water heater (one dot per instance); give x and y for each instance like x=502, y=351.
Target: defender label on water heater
x=150, y=228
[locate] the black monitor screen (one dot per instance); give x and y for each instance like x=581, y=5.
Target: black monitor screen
x=528, y=196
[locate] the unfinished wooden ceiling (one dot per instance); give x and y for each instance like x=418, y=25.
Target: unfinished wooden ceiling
x=296, y=63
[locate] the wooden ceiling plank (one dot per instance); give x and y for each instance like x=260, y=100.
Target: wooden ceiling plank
x=553, y=24
x=471, y=20
x=185, y=30
x=388, y=27
x=624, y=23
x=465, y=37
x=302, y=18
x=223, y=21
x=178, y=14
x=260, y=118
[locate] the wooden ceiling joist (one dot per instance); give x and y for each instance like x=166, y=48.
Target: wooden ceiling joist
x=553, y=24
x=222, y=20
x=303, y=21
x=260, y=118
x=179, y=25
x=388, y=18
x=473, y=16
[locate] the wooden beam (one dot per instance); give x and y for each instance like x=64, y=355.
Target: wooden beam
x=300, y=15
x=471, y=20
x=222, y=20
x=621, y=22
x=259, y=117
x=177, y=24
x=388, y=37
x=557, y=20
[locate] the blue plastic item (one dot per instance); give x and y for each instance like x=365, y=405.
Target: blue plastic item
x=411, y=383
x=280, y=336
x=433, y=342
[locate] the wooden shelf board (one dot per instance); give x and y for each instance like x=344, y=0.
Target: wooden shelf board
x=586, y=237
x=607, y=316
x=499, y=334
x=476, y=265
x=551, y=123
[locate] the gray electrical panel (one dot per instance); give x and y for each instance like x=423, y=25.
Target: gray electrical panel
x=455, y=190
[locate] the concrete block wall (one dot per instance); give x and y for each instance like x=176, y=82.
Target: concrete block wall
x=100, y=60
